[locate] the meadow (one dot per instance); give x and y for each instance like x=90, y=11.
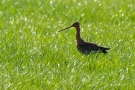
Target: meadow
x=34, y=56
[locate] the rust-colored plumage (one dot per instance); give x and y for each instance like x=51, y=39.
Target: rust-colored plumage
x=85, y=47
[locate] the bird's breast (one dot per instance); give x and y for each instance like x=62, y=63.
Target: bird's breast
x=83, y=49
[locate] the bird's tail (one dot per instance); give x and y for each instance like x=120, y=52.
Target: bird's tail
x=103, y=49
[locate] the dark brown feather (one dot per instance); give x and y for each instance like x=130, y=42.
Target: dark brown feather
x=87, y=48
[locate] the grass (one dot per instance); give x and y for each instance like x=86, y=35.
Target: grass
x=34, y=56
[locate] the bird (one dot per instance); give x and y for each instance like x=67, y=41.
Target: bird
x=83, y=46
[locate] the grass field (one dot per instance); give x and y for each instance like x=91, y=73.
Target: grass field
x=34, y=56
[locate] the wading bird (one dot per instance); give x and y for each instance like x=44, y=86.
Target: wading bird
x=82, y=46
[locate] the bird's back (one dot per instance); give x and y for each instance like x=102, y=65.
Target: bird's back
x=87, y=48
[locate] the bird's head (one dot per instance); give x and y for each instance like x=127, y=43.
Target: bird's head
x=75, y=24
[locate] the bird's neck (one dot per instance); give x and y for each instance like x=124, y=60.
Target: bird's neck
x=78, y=37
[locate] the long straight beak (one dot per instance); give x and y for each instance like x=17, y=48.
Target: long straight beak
x=65, y=28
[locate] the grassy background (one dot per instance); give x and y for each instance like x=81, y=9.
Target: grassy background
x=34, y=56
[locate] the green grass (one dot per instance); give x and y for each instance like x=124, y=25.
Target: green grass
x=34, y=56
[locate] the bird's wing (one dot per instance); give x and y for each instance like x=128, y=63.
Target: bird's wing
x=91, y=47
